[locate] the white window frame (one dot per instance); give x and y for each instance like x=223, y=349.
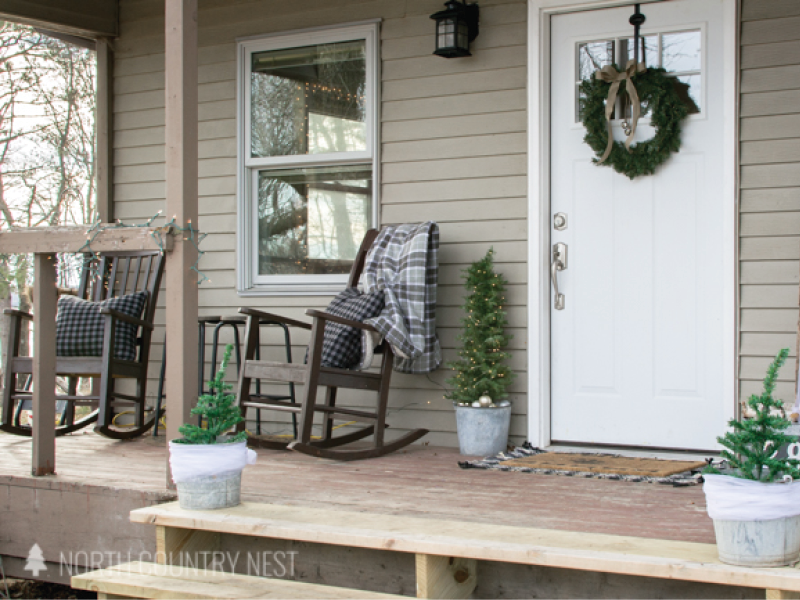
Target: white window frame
x=249, y=281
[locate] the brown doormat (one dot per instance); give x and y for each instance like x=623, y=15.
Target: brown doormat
x=529, y=459
x=604, y=463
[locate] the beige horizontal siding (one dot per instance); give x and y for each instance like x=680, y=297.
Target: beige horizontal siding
x=770, y=151
x=775, y=78
x=769, y=225
x=771, y=200
x=770, y=10
x=447, y=85
x=770, y=176
x=454, y=146
x=781, y=248
x=770, y=127
x=770, y=55
x=443, y=127
x=769, y=295
x=771, y=30
x=770, y=103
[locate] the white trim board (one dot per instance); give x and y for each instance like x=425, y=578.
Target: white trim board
x=539, y=14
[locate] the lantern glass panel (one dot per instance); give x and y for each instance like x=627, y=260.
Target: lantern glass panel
x=463, y=35
x=446, y=37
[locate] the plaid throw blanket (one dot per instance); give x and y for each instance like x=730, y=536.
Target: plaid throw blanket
x=403, y=263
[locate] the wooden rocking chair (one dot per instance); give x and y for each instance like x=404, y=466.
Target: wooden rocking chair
x=112, y=275
x=312, y=375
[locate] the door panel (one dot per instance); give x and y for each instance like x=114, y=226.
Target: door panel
x=637, y=351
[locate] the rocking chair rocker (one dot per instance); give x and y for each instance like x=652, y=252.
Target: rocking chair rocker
x=113, y=275
x=312, y=375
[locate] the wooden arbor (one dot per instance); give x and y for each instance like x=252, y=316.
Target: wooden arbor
x=312, y=375
x=114, y=274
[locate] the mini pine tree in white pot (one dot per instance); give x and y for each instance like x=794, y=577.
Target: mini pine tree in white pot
x=207, y=462
x=755, y=500
x=482, y=376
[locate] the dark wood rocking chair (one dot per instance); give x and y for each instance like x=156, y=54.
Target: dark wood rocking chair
x=113, y=274
x=312, y=375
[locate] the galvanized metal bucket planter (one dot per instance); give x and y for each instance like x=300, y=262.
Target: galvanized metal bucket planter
x=772, y=543
x=482, y=431
x=209, y=493
x=756, y=523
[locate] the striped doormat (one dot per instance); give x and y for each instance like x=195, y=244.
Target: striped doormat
x=528, y=459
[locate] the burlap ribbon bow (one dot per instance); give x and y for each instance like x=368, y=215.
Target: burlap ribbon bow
x=609, y=74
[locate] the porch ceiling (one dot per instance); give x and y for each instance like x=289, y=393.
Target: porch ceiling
x=87, y=18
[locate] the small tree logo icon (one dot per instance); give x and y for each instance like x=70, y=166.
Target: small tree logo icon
x=35, y=563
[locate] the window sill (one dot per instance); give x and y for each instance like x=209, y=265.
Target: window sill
x=312, y=289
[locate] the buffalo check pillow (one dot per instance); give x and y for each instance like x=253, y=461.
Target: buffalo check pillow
x=79, y=326
x=341, y=346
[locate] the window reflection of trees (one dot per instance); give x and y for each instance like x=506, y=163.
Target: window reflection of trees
x=594, y=56
x=282, y=227
x=276, y=126
x=310, y=221
x=336, y=99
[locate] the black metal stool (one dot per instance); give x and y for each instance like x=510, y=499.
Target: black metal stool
x=234, y=322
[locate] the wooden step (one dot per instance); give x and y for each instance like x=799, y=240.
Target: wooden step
x=149, y=580
x=624, y=555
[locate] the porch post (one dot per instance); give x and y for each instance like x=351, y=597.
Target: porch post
x=43, y=431
x=104, y=114
x=181, y=176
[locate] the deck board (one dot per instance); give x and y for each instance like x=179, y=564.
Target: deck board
x=419, y=481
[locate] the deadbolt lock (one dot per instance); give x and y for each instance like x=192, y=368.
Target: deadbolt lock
x=560, y=221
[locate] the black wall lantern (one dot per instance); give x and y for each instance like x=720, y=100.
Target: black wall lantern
x=456, y=27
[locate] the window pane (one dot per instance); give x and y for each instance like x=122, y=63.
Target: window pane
x=681, y=51
x=309, y=100
x=688, y=88
x=648, y=50
x=593, y=56
x=311, y=221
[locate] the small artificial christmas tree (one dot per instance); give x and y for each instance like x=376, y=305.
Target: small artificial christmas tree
x=217, y=409
x=751, y=447
x=481, y=369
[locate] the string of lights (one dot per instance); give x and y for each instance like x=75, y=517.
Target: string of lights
x=191, y=235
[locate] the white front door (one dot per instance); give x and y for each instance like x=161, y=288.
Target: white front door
x=638, y=353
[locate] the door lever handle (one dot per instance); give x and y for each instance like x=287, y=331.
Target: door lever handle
x=559, y=263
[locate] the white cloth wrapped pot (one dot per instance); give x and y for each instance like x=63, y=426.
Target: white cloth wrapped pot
x=757, y=524
x=209, y=476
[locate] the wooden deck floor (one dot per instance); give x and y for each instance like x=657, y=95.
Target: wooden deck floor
x=420, y=481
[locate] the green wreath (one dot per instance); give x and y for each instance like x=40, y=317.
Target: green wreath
x=667, y=110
